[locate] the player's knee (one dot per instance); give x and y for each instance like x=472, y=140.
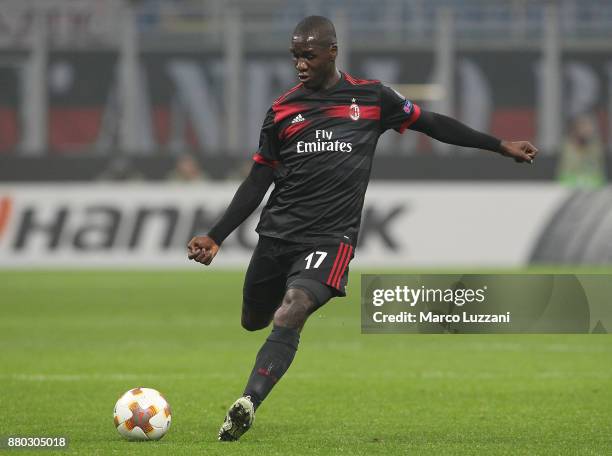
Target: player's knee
x=252, y=321
x=293, y=312
x=251, y=325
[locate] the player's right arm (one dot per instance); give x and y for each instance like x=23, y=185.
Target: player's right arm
x=247, y=198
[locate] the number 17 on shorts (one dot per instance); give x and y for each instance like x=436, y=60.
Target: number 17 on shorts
x=327, y=264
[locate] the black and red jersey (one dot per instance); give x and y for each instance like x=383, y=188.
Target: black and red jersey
x=321, y=145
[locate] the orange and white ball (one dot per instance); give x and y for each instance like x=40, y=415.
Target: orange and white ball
x=142, y=414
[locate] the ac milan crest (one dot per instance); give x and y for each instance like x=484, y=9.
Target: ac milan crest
x=354, y=111
x=408, y=107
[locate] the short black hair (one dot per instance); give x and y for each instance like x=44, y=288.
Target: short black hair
x=319, y=27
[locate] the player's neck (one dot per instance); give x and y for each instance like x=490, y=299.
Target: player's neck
x=332, y=80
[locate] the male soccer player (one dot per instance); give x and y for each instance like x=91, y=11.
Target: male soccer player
x=316, y=145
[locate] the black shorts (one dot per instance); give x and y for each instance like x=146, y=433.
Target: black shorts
x=276, y=263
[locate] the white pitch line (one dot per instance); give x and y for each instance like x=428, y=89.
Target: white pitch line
x=103, y=377
x=391, y=375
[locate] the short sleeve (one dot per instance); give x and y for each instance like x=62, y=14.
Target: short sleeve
x=268, y=151
x=397, y=112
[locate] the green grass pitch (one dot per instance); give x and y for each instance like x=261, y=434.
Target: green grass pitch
x=72, y=342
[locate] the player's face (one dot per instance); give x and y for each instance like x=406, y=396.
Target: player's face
x=314, y=63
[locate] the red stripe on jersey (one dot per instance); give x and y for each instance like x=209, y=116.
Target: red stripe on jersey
x=416, y=113
x=264, y=161
x=336, y=111
x=365, y=112
x=341, y=271
x=355, y=81
x=336, y=261
x=293, y=129
x=282, y=111
x=369, y=112
x=287, y=93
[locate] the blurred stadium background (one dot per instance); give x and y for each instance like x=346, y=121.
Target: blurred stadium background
x=125, y=126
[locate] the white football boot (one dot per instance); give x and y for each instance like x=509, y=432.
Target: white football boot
x=238, y=420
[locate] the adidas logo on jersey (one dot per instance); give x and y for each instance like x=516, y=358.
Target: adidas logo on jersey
x=297, y=119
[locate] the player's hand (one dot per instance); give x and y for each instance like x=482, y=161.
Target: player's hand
x=202, y=249
x=520, y=151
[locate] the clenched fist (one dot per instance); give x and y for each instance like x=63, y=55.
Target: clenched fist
x=202, y=249
x=521, y=151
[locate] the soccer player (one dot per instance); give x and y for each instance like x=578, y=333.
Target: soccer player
x=316, y=145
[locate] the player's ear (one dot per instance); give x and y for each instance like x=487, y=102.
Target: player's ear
x=333, y=52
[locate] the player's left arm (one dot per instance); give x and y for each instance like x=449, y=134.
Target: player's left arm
x=451, y=131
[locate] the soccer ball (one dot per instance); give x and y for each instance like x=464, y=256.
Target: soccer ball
x=142, y=414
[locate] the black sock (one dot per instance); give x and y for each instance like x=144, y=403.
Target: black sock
x=273, y=360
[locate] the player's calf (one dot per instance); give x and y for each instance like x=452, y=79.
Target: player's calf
x=271, y=363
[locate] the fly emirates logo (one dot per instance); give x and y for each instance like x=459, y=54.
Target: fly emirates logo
x=324, y=142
